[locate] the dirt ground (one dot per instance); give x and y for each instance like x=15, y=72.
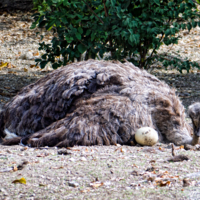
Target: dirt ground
x=98, y=172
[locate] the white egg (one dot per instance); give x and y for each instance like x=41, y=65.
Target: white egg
x=146, y=136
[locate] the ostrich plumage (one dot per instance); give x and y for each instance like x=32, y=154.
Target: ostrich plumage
x=96, y=103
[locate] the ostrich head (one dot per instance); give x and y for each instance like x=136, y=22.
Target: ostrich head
x=194, y=113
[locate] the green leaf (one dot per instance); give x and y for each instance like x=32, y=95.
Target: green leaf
x=167, y=32
x=43, y=64
x=82, y=48
x=92, y=36
x=189, y=26
x=194, y=24
x=157, y=2
x=88, y=32
x=78, y=35
x=80, y=30
x=134, y=38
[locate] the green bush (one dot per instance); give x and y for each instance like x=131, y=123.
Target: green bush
x=126, y=29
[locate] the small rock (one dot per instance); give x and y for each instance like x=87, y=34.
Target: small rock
x=151, y=169
x=107, y=183
x=73, y=184
x=197, y=147
x=186, y=182
x=4, y=191
x=72, y=159
x=189, y=147
x=24, y=148
x=27, y=56
x=135, y=173
x=64, y=152
x=83, y=159
x=109, y=166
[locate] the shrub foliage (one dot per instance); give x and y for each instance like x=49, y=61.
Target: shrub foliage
x=121, y=28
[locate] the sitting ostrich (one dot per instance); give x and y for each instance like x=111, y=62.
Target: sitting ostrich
x=96, y=103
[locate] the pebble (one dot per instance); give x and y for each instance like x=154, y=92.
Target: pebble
x=73, y=184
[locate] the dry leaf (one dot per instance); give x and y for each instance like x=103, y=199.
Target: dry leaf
x=41, y=184
x=31, y=66
x=84, y=191
x=61, y=167
x=134, y=165
x=43, y=155
x=3, y=65
x=161, y=149
x=166, y=172
x=96, y=184
x=9, y=66
x=21, y=180
x=163, y=183
x=36, y=54
x=15, y=168
x=25, y=70
x=122, y=150
x=11, y=72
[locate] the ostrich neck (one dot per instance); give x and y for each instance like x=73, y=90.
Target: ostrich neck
x=195, y=140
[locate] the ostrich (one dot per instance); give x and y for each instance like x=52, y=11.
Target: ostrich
x=96, y=103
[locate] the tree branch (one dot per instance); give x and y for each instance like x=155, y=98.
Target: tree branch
x=94, y=12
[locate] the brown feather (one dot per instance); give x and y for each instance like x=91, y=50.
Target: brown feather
x=94, y=103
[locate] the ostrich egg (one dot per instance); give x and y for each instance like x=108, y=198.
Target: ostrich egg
x=146, y=136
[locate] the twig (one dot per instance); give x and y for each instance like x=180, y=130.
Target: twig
x=173, y=150
x=94, y=13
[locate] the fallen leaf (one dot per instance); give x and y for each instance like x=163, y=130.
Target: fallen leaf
x=31, y=66
x=15, y=168
x=84, y=191
x=25, y=70
x=36, y=54
x=43, y=155
x=11, y=72
x=161, y=149
x=163, y=183
x=122, y=150
x=181, y=147
x=21, y=180
x=9, y=66
x=134, y=165
x=3, y=65
x=61, y=167
x=96, y=184
x=41, y=184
